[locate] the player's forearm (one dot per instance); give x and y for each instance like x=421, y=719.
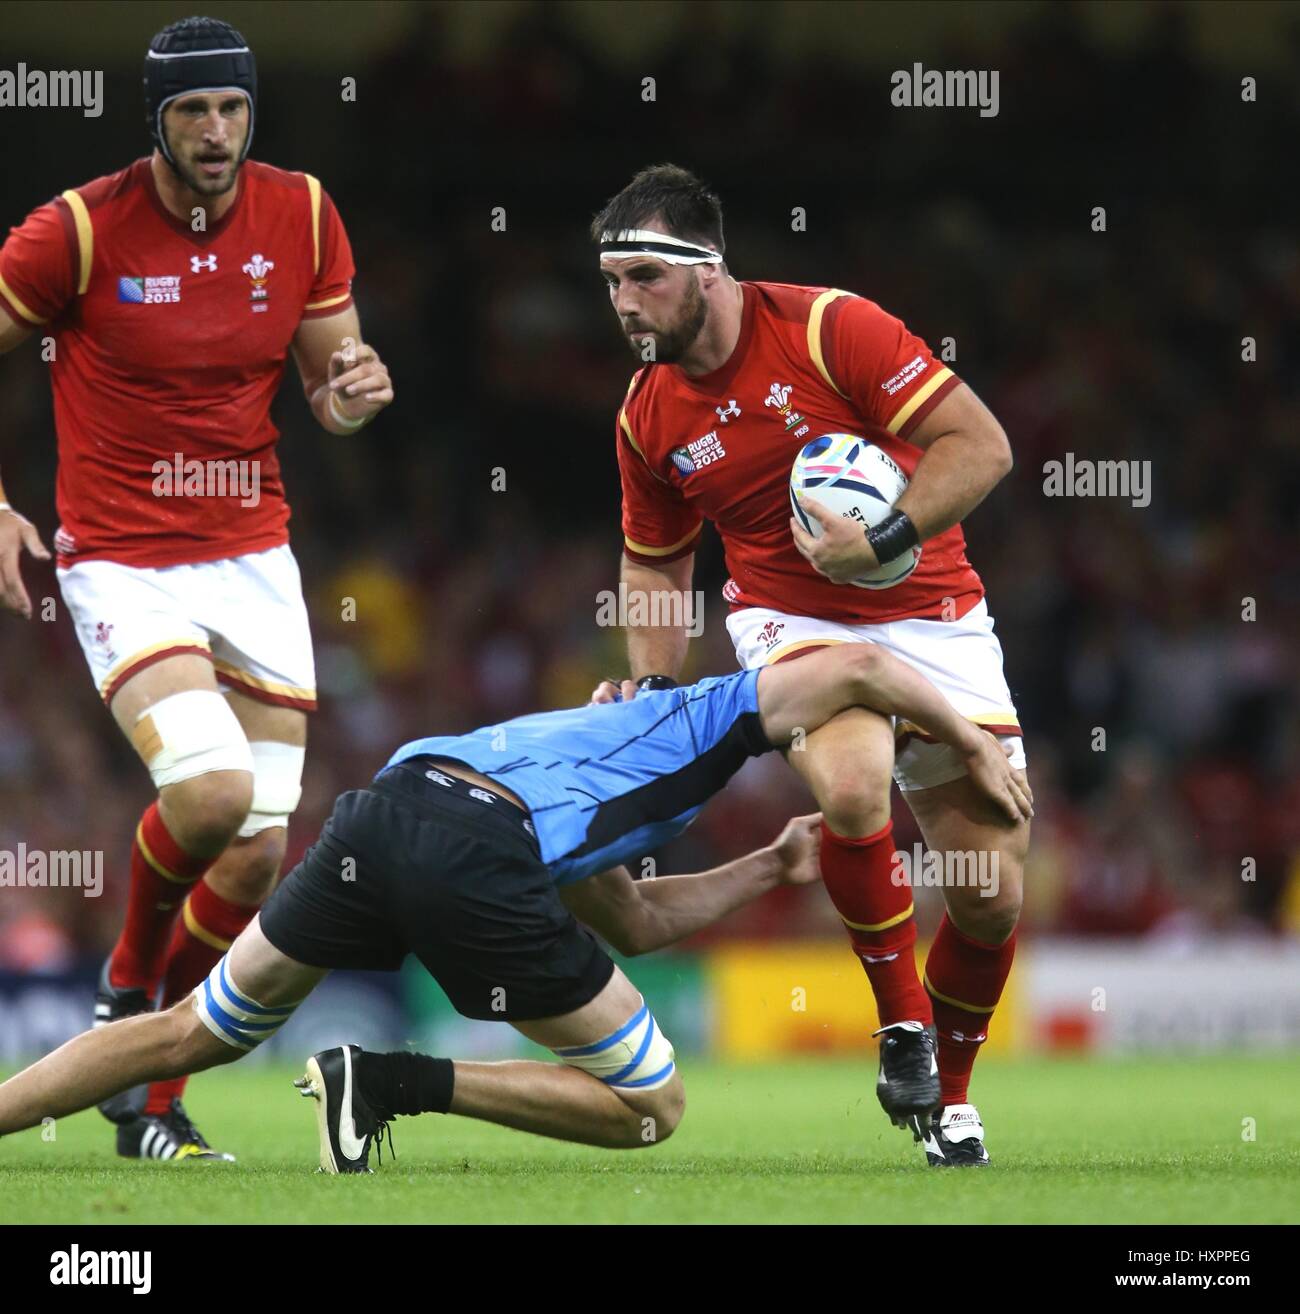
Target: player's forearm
x=674, y=907
x=661, y=594
x=957, y=472
x=893, y=688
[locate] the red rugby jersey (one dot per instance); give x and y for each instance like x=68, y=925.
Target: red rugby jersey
x=719, y=447
x=170, y=341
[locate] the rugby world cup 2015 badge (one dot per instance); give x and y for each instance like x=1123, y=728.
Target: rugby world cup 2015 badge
x=258, y=270
x=695, y=455
x=149, y=291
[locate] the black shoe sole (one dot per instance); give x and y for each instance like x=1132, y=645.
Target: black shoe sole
x=965, y=1163
x=311, y=1085
x=913, y=1101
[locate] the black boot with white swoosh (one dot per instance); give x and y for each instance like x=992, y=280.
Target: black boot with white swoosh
x=347, y=1124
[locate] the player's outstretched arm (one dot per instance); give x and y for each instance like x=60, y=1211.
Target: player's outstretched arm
x=345, y=382
x=639, y=916
x=656, y=592
x=795, y=698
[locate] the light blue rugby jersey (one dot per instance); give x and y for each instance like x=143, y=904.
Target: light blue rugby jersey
x=608, y=782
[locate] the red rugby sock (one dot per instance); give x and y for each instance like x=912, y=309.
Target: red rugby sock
x=858, y=874
x=161, y=875
x=207, y=928
x=965, y=978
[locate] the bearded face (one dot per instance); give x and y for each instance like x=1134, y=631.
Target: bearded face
x=657, y=303
x=206, y=133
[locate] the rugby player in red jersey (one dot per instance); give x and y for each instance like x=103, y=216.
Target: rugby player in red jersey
x=742, y=376
x=173, y=291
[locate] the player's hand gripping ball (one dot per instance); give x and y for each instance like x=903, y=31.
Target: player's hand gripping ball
x=853, y=479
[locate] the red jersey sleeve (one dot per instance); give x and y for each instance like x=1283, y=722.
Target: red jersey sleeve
x=888, y=373
x=38, y=265
x=331, y=289
x=658, y=524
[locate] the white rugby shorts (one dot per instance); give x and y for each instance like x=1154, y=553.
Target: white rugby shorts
x=246, y=614
x=961, y=658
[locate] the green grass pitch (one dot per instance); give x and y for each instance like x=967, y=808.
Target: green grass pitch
x=1144, y=1141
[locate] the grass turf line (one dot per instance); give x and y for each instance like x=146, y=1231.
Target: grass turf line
x=1141, y=1141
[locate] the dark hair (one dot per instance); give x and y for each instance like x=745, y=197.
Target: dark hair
x=688, y=209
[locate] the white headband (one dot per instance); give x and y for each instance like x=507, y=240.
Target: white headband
x=645, y=241
x=194, y=54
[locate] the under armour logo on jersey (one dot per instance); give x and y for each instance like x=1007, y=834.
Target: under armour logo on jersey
x=483, y=794
x=439, y=777
x=725, y=413
x=208, y=262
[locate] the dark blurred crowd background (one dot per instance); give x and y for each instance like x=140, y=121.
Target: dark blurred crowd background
x=1172, y=628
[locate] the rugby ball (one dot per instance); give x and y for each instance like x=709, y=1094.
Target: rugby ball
x=854, y=478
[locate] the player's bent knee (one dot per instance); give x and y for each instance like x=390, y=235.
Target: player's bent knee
x=233, y=1019
x=637, y=1062
x=854, y=807
x=862, y=662
x=249, y=868
x=994, y=927
x=190, y=734
x=199, y=758
x=660, y=1112
x=990, y=920
x=209, y=809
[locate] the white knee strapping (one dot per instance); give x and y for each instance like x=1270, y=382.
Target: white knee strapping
x=637, y=1056
x=231, y=1016
x=189, y=734
x=277, y=784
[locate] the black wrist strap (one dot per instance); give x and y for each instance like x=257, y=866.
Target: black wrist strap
x=656, y=682
x=893, y=536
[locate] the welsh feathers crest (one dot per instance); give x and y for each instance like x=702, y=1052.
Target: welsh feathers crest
x=258, y=268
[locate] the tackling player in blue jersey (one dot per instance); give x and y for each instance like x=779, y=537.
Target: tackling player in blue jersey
x=479, y=854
